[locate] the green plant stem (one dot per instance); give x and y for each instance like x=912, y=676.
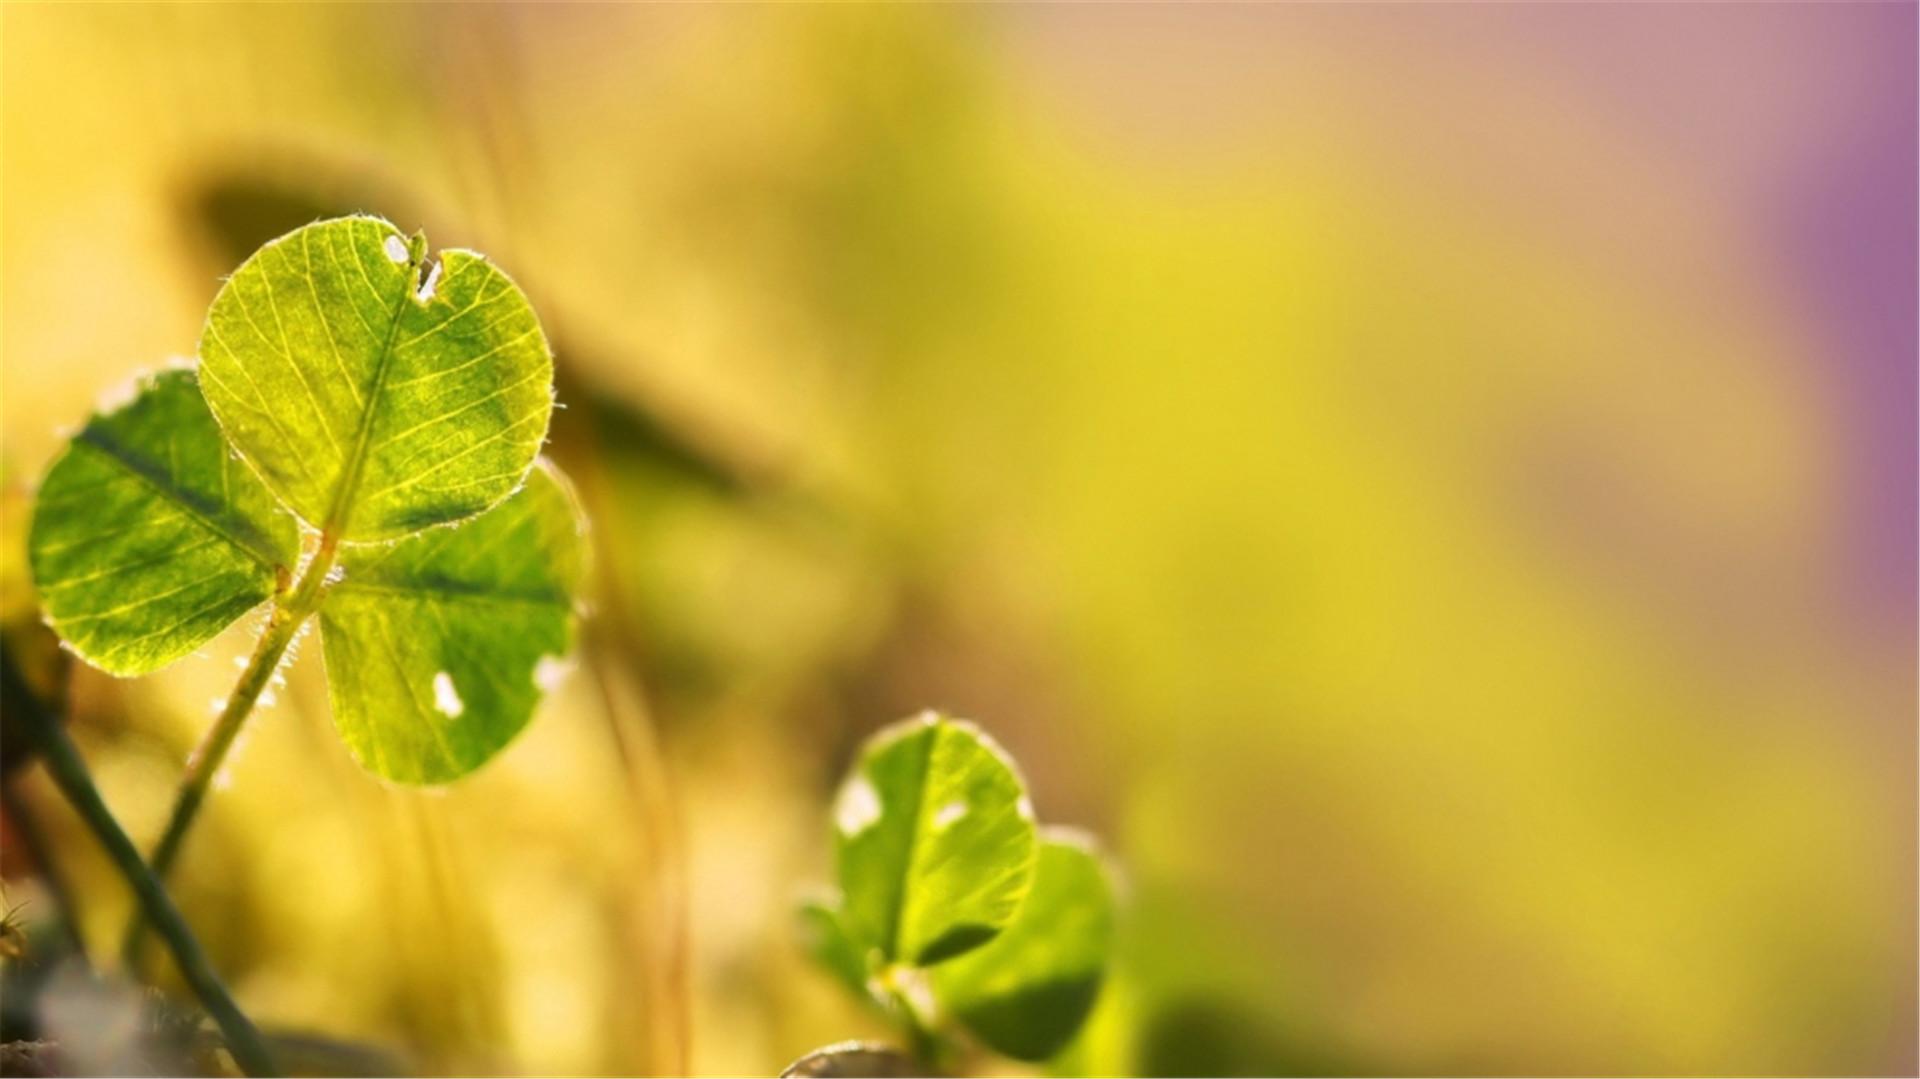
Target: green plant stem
x=26, y=825
x=70, y=774
x=925, y=1043
x=290, y=612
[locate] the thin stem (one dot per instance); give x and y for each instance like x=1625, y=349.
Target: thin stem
x=615, y=657
x=70, y=774
x=289, y=613
x=902, y=987
x=26, y=824
x=663, y=921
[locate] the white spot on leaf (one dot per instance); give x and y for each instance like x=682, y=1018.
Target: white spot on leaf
x=550, y=672
x=857, y=808
x=397, y=249
x=948, y=814
x=1024, y=807
x=445, y=698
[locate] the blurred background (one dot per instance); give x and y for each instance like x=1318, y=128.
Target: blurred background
x=1432, y=487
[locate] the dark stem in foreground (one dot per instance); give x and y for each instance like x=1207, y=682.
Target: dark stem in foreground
x=69, y=773
x=26, y=824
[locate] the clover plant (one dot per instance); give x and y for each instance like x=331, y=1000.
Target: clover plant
x=358, y=441
x=954, y=908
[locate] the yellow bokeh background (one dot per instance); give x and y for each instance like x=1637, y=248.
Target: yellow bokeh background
x=1391, y=490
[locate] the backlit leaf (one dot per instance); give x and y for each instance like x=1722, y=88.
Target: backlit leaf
x=935, y=841
x=438, y=647
x=1026, y=992
x=149, y=537
x=377, y=393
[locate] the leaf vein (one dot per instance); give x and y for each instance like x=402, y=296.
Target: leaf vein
x=531, y=376
x=249, y=544
x=144, y=601
x=320, y=314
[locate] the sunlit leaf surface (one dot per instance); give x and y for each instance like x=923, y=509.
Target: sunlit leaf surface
x=1026, y=992
x=935, y=841
x=149, y=537
x=379, y=392
x=439, y=647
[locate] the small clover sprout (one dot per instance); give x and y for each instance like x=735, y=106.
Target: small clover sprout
x=953, y=905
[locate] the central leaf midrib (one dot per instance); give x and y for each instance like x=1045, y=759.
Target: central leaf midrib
x=913, y=841
x=267, y=558
x=341, y=505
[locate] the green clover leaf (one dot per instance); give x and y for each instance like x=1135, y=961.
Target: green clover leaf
x=376, y=393
x=348, y=382
x=149, y=537
x=935, y=841
x=396, y=405
x=1027, y=991
x=953, y=906
x=439, y=646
